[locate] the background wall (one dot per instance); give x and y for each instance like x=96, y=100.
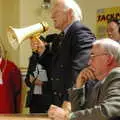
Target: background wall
x=9, y=16
x=90, y=8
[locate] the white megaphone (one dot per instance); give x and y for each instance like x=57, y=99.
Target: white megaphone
x=17, y=35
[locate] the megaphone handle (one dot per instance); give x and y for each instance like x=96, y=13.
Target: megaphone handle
x=35, y=38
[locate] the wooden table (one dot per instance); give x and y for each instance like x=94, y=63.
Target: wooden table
x=24, y=117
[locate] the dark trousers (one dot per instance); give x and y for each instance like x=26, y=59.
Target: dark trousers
x=115, y=118
x=40, y=103
x=59, y=97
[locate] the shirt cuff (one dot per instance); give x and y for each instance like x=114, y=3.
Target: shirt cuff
x=71, y=116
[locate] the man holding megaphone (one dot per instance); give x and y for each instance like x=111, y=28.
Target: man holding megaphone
x=62, y=55
x=68, y=53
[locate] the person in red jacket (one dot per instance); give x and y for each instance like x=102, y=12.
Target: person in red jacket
x=10, y=86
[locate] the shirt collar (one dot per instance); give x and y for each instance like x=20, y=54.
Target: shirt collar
x=66, y=29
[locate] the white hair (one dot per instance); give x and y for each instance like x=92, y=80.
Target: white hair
x=110, y=46
x=77, y=12
x=2, y=49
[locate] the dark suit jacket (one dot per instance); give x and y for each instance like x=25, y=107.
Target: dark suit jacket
x=68, y=56
x=71, y=57
x=104, y=101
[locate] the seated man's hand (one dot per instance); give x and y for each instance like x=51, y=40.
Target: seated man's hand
x=84, y=75
x=37, y=45
x=57, y=113
x=66, y=106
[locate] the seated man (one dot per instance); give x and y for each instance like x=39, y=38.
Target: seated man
x=104, y=101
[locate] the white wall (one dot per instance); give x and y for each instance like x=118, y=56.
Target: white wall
x=10, y=16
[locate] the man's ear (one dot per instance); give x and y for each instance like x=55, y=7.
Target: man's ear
x=70, y=13
x=110, y=60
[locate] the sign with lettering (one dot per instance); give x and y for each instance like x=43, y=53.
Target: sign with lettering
x=101, y=20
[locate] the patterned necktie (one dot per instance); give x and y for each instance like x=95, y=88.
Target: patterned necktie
x=61, y=37
x=62, y=34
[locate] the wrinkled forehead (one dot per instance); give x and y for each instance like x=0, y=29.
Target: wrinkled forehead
x=56, y=9
x=97, y=48
x=58, y=5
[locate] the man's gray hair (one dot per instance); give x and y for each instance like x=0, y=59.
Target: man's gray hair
x=111, y=47
x=77, y=12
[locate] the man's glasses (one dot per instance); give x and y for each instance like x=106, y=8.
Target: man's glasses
x=93, y=56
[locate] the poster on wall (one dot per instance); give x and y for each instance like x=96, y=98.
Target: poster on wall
x=102, y=16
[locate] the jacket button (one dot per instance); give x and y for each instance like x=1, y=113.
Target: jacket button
x=57, y=79
x=61, y=66
x=51, y=78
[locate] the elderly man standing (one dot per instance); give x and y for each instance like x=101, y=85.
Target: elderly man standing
x=104, y=101
x=70, y=52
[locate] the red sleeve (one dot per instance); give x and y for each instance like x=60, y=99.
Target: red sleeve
x=17, y=82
